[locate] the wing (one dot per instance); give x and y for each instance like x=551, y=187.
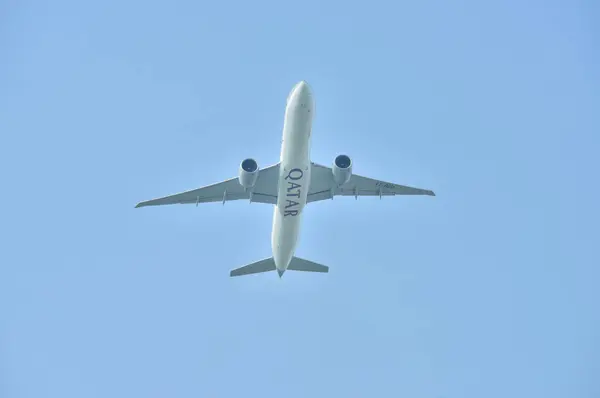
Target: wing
x=322, y=186
x=264, y=191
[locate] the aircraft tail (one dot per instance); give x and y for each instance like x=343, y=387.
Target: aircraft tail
x=268, y=264
x=300, y=264
x=264, y=265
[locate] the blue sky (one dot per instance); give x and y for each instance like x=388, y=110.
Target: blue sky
x=488, y=289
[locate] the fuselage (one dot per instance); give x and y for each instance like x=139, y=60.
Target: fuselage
x=294, y=174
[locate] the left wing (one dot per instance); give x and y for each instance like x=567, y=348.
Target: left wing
x=322, y=186
x=264, y=191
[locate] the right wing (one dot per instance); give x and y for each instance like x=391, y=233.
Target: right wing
x=322, y=186
x=264, y=191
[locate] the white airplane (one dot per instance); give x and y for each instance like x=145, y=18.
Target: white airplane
x=289, y=185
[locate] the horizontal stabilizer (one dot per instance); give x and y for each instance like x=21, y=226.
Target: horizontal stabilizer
x=265, y=265
x=300, y=264
x=268, y=264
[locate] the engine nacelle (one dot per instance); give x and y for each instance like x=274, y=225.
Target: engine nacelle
x=342, y=169
x=248, y=173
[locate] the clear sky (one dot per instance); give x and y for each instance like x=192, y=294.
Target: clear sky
x=489, y=289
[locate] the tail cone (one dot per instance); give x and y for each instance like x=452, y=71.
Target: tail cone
x=280, y=272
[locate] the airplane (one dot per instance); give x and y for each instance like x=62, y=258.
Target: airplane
x=289, y=185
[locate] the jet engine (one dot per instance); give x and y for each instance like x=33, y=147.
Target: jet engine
x=342, y=169
x=248, y=173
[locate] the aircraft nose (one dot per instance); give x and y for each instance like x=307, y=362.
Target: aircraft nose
x=303, y=89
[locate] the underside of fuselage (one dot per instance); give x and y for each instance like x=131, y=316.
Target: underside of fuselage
x=294, y=174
